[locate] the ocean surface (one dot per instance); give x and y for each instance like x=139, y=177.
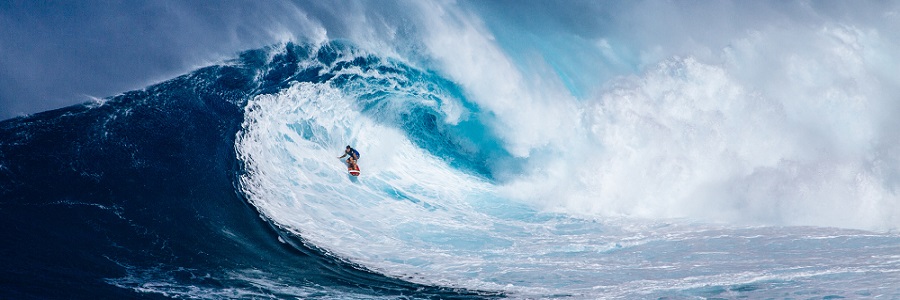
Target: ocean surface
x=500, y=158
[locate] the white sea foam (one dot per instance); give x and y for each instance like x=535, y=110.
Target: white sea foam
x=740, y=114
x=769, y=125
x=413, y=217
x=799, y=143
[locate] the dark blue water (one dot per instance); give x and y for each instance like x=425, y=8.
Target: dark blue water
x=135, y=197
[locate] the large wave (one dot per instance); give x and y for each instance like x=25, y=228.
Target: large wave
x=771, y=113
x=488, y=168
x=447, y=199
x=714, y=150
x=798, y=134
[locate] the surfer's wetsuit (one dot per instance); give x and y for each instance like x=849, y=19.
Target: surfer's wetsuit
x=354, y=157
x=353, y=153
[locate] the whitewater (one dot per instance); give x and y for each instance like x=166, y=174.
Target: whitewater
x=723, y=174
x=508, y=150
x=649, y=193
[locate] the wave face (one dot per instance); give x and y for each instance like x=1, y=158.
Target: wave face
x=502, y=155
x=135, y=196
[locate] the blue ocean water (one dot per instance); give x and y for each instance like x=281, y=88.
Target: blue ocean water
x=486, y=173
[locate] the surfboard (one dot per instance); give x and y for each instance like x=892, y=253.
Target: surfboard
x=354, y=172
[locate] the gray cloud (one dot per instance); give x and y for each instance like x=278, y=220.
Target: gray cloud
x=56, y=53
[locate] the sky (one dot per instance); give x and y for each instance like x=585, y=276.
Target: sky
x=58, y=53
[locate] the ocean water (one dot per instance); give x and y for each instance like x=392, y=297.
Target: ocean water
x=504, y=154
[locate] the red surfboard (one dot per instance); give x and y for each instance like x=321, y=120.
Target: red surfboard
x=353, y=171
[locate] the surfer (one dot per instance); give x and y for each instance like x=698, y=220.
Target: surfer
x=353, y=157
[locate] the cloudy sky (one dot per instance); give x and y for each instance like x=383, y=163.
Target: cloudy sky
x=58, y=53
